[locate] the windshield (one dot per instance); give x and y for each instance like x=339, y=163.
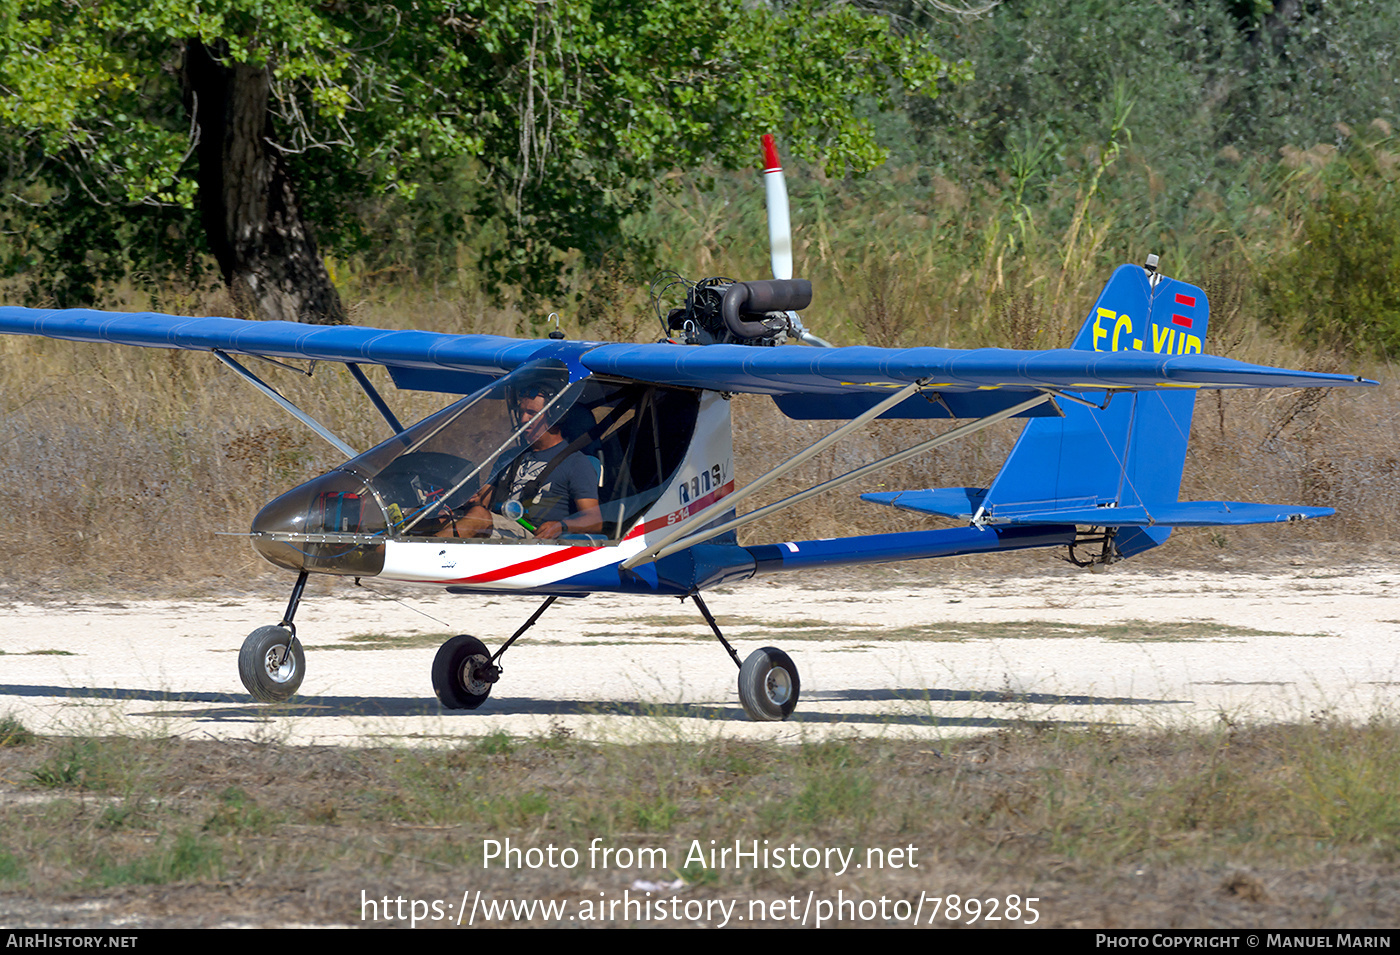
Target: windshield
x=436, y=468
x=530, y=457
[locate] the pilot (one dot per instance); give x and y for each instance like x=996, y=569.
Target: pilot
x=535, y=496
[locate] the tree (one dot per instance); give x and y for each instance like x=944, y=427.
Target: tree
x=257, y=127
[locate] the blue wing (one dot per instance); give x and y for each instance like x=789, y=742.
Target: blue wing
x=838, y=371
x=480, y=354
x=835, y=382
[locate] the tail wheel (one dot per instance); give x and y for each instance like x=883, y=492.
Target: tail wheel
x=463, y=673
x=769, y=685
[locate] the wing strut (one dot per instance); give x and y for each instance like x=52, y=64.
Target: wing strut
x=373, y=393
x=725, y=504
x=287, y=406
x=679, y=539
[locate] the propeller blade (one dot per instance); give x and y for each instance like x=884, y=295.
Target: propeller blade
x=779, y=219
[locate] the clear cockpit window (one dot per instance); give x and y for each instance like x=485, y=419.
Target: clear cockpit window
x=610, y=448
x=433, y=470
x=531, y=456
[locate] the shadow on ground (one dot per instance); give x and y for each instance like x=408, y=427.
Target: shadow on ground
x=232, y=707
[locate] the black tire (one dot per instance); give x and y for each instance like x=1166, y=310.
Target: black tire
x=769, y=685
x=455, y=680
x=269, y=673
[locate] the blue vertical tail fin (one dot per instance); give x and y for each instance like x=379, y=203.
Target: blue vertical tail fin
x=1129, y=454
x=1113, y=464
x=1105, y=463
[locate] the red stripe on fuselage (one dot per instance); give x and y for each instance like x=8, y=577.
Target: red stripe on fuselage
x=561, y=553
x=1181, y=320
x=558, y=555
x=1188, y=300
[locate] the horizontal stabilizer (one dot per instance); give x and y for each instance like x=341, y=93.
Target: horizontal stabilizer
x=1182, y=514
x=959, y=503
x=962, y=503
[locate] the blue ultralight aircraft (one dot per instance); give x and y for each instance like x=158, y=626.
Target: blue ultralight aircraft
x=574, y=467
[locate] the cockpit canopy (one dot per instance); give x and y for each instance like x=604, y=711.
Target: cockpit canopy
x=415, y=485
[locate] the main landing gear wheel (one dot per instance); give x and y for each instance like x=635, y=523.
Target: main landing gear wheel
x=768, y=685
x=463, y=673
x=268, y=671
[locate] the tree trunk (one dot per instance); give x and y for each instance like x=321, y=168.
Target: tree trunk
x=247, y=200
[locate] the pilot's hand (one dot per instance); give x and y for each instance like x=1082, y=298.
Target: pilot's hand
x=549, y=530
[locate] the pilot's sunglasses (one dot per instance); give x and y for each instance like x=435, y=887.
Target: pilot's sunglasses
x=536, y=391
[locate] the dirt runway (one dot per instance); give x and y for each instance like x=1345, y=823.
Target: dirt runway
x=911, y=652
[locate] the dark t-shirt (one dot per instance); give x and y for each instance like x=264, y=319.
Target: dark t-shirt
x=574, y=479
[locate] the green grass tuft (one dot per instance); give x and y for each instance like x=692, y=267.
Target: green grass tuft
x=15, y=733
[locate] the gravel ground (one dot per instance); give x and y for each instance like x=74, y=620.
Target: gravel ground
x=905, y=652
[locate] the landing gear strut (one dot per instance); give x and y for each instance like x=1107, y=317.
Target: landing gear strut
x=768, y=681
x=464, y=670
x=271, y=663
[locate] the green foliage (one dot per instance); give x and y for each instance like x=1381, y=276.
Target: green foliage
x=697, y=875
x=15, y=733
x=657, y=815
x=238, y=812
x=1339, y=286
x=516, y=146
x=1045, y=68
x=499, y=743
x=11, y=867
x=125, y=814
x=564, y=110
x=1347, y=792
x=831, y=784
x=1217, y=88
x=1208, y=74
x=186, y=857
x=82, y=764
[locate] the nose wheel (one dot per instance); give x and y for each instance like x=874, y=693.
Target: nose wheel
x=271, y=664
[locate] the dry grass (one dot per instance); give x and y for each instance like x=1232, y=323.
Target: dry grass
x=1284, y=826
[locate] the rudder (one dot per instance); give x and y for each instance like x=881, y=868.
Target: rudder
x=1130, y=453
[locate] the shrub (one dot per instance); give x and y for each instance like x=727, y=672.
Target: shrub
x=1340, y=284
